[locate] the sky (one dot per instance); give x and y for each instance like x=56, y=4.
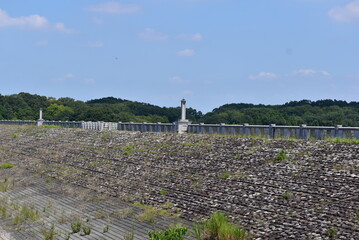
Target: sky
x=210, y=52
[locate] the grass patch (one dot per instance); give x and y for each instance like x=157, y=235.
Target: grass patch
x=7, y=165
x=76, y=226
x=128, y=150
x=217, y=227
x=343, y=140
x=163, y=192
x=282, y=155
x=287, y=195
x=49, y=234
x=225, y=175
x=150, y=213
x=26, y=214
x=172, y=233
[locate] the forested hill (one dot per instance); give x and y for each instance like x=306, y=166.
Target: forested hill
x=25, y=106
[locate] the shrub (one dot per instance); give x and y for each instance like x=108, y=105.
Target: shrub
x=225, y=175
x=172, y=233
x=76, y=226
x=282, y=155
x=7, y=165
x=217, y=227
x=86, y=230
x=49, y=234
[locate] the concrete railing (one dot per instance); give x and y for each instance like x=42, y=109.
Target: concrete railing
x=274, y=131
x=17, y=122
x=269, y=131
x=63, y=124
x=147, y=127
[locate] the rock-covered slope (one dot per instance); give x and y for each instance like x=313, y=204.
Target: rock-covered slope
x=278, y=189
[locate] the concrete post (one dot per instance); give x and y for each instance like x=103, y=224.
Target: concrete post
x=337, y=131
x=271, y=131
x=40, y=121
x=183, y=122
x=183, y=110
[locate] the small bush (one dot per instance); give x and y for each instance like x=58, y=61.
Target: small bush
x=282, y=155
x=332, y=232
x=7, y=165
x=225, y=175
x=173, y=233
x=106, y=228
x=129, y=236
x=86, y=230
x=76, y=226
x=163, y=192
x=49, y=234
x=218, y=228
x=287, y=195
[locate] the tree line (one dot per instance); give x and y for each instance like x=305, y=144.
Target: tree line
x=25, y=106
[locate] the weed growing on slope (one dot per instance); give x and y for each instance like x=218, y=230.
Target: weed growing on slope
x=150, y=213
x=7, y=165
x=282, y=155
x=225, y=175
x=49, y=234
x=172, y=233
x=218, y=228
x=129, y=236
x=76, y=226
x=27, y=213
x=86, y=230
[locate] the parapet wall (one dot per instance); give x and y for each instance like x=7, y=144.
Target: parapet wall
x=270, y=131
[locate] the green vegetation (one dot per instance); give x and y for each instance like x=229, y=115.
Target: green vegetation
x=150, y=213
x=217, y=227
x=7, y=165
x=343, y=140
x=332, y=232
x=287, y=195
x=163, y=192
x=86, y=230
x=129, y=236
x=25, y=106
x=225, y=175
x=26, y=214
x=172, y=233
x=282, y=155
x=76, y=226
x=49, y=234
x=106, y=228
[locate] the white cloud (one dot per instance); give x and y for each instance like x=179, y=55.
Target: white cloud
x=115, y=8
x=64, y=78
x=263, y=75
x=186, y=53
x=151, y=34
x=61, y=28
x=191, y=37
x=32, y=21
x=95, y=44
x=347, y=13
x=310, y=72
x=177, y=80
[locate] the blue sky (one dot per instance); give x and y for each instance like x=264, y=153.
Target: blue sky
x=211, y=52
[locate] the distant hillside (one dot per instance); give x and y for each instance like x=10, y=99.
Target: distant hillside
x=316, y=113
x=25, y=106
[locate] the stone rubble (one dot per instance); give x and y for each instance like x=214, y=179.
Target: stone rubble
x=313, y=190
